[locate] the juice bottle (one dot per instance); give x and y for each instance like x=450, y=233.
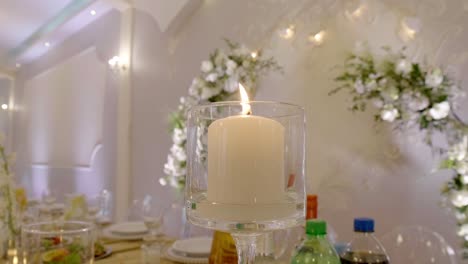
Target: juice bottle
x=315, y=249
x=364, y=248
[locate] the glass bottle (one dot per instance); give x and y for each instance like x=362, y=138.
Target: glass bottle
x=223, y=249
x=364, y=248
x=312, y=206
x=316, y=248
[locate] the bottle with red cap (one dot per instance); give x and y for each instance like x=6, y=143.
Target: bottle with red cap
x=312, y=205
x=364, y=248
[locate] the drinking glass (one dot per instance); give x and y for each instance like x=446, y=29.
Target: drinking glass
x=152, y=212
x=49, y=197
x=58, y=242
x=245, y=170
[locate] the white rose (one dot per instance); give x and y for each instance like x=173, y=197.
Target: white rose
x=434, y=78
x=179, y=136
x=212, y=77
x=463, y=231
x=464, y=179
x=460, y=216
x=359, y=86
x=459, y=151
x=403, y=67
x=231, y=85
x=440, y=110
x=173, y=181
x=169, y=167
x=378, y=103
x=419, y=103
x=194, y=87
x=462, y=167
x=219, y=59
x=370, y=85
x=178, y=152
x=219, y=71
x=383, y=82
x=389, y=113
x=391, y=93
x=208, y=92
x=162, y=182
x=230, y=64
x=242, y=51
x=460, y=198
x=206, y=66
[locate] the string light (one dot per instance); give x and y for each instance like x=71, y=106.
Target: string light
x=254, y=54
x=317, y=39
x=4, y=106
x=357, y=13
x=47, y=44
x=409, y=28
x=92, y=12
x=288, y=32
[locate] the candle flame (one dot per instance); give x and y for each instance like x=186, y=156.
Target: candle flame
x=246, y=109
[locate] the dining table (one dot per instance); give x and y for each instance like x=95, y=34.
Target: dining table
x=130, y=252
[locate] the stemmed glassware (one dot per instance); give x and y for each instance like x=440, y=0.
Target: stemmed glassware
x=246, y=169
x=152, y=212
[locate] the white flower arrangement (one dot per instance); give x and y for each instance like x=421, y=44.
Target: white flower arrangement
x=407, y=94
x=8, y=208
x=218, y=81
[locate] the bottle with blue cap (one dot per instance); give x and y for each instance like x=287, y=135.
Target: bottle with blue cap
x=364, y=248
x=315, y=249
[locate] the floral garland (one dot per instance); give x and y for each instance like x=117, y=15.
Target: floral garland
x=8, y=208
x=219, y=81
x=409, y=94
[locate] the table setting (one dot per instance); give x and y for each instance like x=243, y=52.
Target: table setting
x=238, y=168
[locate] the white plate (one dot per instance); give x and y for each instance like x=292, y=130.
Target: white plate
x=106, y=233
x=129, y=228
x=171, y=255
x=194, y=247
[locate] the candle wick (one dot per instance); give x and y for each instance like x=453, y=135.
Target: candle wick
x=249, y=112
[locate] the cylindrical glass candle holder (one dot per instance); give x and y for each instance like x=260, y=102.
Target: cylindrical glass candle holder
x=246, y=167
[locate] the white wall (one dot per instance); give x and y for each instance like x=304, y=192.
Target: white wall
x=65, y=114
x=356, y=168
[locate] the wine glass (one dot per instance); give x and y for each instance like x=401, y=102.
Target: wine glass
x=245, y=170
x=152, y=212
x=49, y=197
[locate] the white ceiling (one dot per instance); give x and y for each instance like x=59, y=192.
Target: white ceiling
x=20, y=18
x=26, y=25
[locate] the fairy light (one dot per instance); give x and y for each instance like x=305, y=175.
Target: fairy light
x=288, y=32
x=317, y=39
x=357, y=13
x=409, y=28
x=254, y=54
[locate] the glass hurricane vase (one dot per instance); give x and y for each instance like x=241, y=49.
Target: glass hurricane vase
x=245, y=169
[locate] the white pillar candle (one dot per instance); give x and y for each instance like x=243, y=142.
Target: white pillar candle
x=246, y=160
